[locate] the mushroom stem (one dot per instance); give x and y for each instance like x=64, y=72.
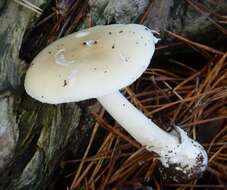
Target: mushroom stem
x=179, y=154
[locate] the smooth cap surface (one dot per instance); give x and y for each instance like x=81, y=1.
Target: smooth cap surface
x=90, y=63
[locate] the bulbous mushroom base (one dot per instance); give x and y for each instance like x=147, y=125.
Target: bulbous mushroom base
x=177, y=173
x=184, y=161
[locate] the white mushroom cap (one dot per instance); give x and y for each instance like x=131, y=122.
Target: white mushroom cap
x=90, y=63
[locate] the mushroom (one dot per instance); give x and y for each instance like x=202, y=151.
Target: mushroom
x=97, y=63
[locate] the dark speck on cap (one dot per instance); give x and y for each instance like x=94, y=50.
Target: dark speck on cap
x=65, y=83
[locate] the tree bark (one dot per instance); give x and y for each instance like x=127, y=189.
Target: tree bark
x=33, y=137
